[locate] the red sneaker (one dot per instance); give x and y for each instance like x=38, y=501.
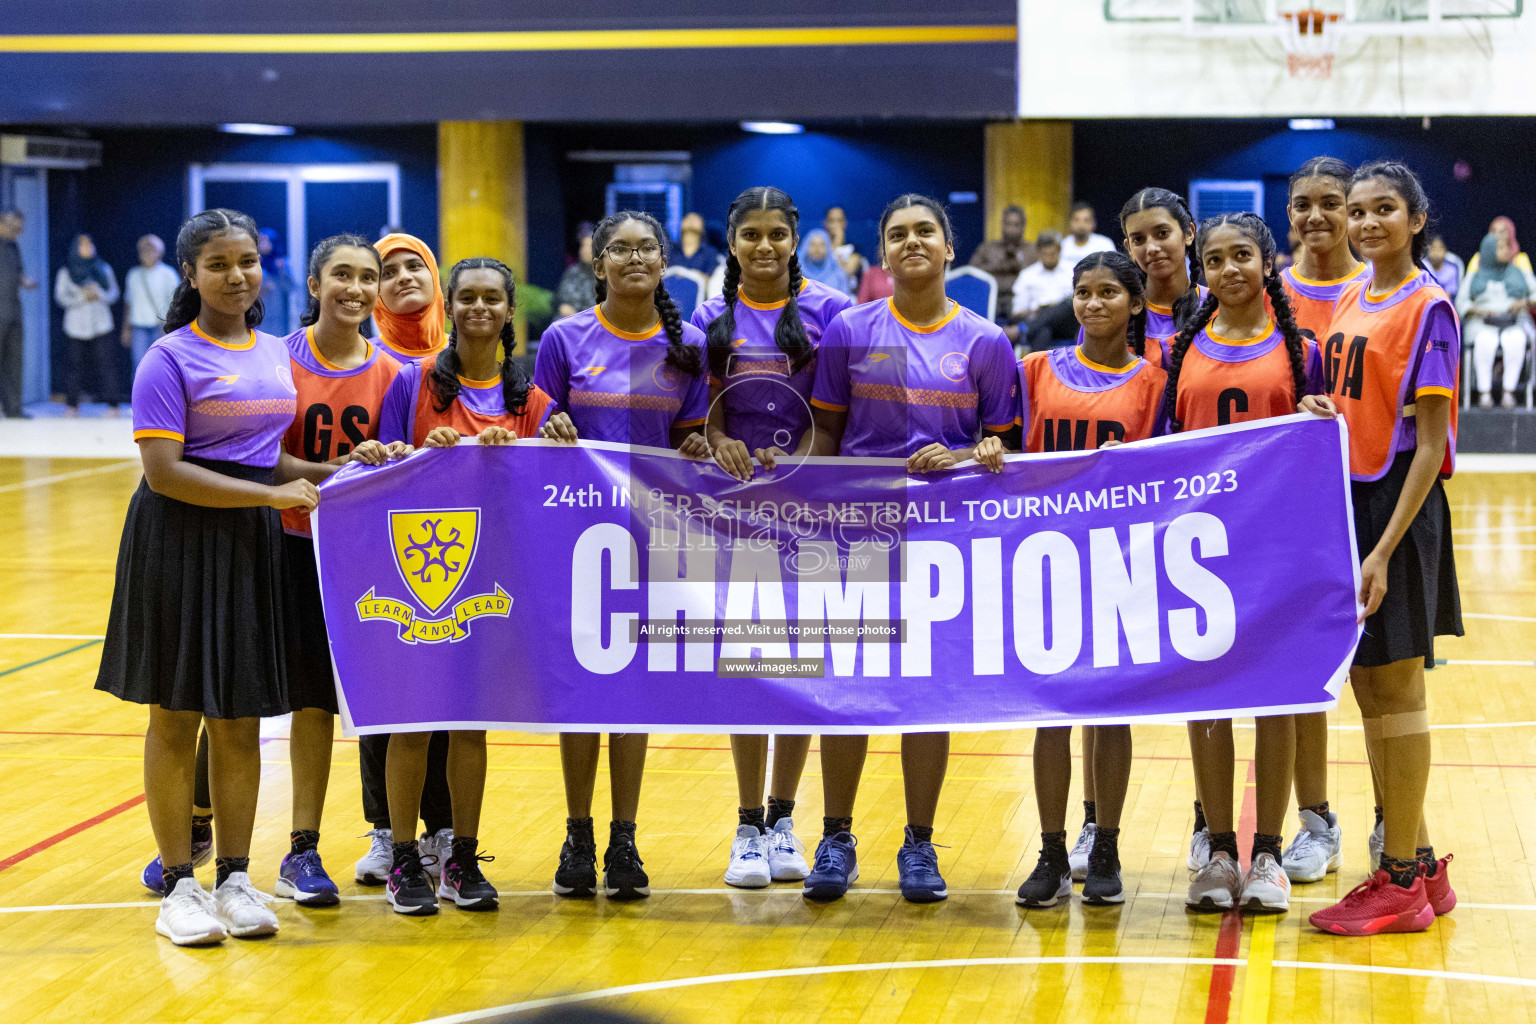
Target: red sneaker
x=1437, y=887
x=1376, y=906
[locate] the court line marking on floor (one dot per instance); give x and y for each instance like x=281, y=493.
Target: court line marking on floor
x=1500, y=618
x=73, y=830
x=646, y=987
x=78, y=636
x=1495, y=529
x=56, y=654
x=1494, y=547
x=1257, y=975
x=43, y=481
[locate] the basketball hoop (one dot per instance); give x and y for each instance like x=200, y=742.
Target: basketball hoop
x=1311, y=41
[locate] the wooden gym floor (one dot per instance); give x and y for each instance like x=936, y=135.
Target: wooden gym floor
x=76, y=930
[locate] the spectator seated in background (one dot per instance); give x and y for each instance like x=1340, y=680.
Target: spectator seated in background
x=147, y=292
x=693, y=251
x=819, y=263
x=1044, y=283
x=1445, y=266
x=1505, y=228
x=1495, y=317
x=577, y=289
x=1005, y=258
x=1082, y=240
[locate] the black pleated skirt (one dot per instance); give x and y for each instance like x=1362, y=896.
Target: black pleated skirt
x=1423, y=600
x=198, y=620
x=311, y=682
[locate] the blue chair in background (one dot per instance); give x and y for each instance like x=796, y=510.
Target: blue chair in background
x=973, y=288
x=686, y=288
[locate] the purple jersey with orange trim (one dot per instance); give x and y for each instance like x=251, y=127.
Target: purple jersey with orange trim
x=1069, y=403
x=905, y=387
x=617, y=386
x=226, y=403
x=410, y=407
x=1223, y=381
x=1312, y=301
x=764, y=403
x=338, y=409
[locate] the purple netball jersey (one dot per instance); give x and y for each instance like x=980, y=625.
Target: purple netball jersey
x=616, y=385
x=905, y=387
x=765, y=404
x=226, y=403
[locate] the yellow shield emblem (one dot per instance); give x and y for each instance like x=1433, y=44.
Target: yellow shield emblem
x=433, y=550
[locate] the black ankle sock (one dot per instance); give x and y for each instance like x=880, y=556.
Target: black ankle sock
x=1224, y=842
x=921, y=833
x=202, y=827
x=619, y=831
x=751, y=816
x=1403, y=872
x=778, y=809
x=302, y=839
x=835, y=826
x=578, y=826
x=1426, y=855
x=464, y=849
x=1199, y=816
x=1054, y=841
x=1106, y=835
x=172, y=875
x=1321, y=810
x=1090, y=812
x=227, y=866
x=403, y=851
x=1266, y=844
x=1379, y=817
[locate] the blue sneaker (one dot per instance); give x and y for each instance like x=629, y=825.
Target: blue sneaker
x=302, y=878
x=836, y=868
x=918, y=863
x=153, y=877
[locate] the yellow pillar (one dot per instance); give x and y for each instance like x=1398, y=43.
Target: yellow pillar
x=482, y=198
x=1029, y=164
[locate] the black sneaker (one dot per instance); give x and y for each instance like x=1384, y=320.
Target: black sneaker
x=623, y=876
x=577, y=873
x=409, y=890
x=1049, y=882
x=465, y=884
x=1102, y=886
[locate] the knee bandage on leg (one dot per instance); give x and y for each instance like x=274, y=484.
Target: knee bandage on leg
x=1407, y=723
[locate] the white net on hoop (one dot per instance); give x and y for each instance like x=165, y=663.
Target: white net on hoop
x=1311, y=40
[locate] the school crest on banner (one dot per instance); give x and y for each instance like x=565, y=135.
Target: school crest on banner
x=434, y=549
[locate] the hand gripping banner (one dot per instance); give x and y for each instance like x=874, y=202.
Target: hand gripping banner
x=547, y=587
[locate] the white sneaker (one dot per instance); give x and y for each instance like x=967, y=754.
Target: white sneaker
x=1375, y=843
x=187, y=916
x=1265, y=887
x=374, y=867
x=438, y=845
x=749, y=859
x=242, y=908
x=786, y=857
x=1077, y=858
x=1218, y=885
x=1199, y=850
x=1317, y=849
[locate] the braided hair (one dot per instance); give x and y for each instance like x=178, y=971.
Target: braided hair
x=444, y=378
x=1251, y=226
x=1133, y=280
x=1407, y=185
x=321, y=256
x=186, y=303
x=789, y=332
x=681, y=356
x=1185, y=305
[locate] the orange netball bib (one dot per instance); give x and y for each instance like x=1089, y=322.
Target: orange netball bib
x=1223, y=381
x=1072, y=404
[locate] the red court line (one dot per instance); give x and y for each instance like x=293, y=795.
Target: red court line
x=1229, y=939
x=73, y=830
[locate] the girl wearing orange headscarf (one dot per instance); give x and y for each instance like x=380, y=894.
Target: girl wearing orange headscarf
x=410, y=313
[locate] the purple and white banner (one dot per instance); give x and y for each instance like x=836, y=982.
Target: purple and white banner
x=546, y=587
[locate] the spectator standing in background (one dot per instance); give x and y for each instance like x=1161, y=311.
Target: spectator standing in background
x=1043, y=283
x=693, y=250
x=1494, y=310
x=1005, y=258
x=819, y=263
x=1445, y=266
x=147, y=292
x=13, y=278
x=87, y=288
x=835, y=223
x=578, y=285
x=276, y=286
x=1082, y=240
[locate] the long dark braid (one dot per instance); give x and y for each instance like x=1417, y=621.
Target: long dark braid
x=1285, y=319
x=681, y=356
x=1133, y=280
x=789, y=332
x=722, y=327
x=186, y=303
x=444, y=379
x=1162, y=199
x=1196, y=324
